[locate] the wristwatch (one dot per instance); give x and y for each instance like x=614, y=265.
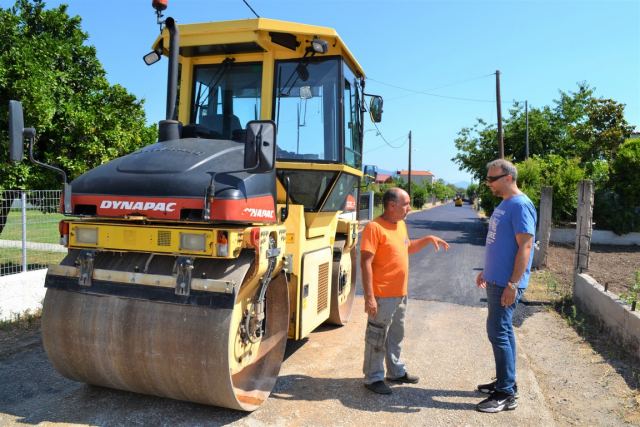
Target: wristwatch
x=512, y=285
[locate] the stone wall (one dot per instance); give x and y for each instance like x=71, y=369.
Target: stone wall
x=615, y=315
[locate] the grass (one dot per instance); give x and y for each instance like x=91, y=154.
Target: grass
x=631, y=296
x=11, y=259
x=546, y=287
x=42, y=228
x=24, y=321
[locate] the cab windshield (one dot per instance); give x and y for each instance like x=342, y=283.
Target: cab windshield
x=225, y=97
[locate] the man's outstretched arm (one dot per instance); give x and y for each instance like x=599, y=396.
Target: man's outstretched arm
x=417, y=245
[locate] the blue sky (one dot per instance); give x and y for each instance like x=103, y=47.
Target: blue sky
x=446, y=48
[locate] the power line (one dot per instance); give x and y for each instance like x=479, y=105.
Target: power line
x=421, y=92
x=388, y=144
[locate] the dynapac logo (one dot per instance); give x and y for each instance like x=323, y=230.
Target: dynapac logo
x=259, y=213
x=137, y=206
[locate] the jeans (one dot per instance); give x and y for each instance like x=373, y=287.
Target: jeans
x=502, y=338
x=383, y=340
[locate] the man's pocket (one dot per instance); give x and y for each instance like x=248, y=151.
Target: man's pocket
x=376, y=336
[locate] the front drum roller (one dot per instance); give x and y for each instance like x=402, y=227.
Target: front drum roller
x=182, y=351
x=343, y=284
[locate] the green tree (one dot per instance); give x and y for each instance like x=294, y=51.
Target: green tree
x=578, y=125
x=82, y=121
x=472, y=191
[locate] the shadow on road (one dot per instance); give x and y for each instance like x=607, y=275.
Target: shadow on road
x=352, y=394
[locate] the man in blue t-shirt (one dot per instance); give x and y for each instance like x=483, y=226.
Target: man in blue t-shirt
x=507, y=265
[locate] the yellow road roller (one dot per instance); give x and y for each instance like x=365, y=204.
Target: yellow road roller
x=192, y=260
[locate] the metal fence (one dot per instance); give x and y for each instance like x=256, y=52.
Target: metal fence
x=29, y=239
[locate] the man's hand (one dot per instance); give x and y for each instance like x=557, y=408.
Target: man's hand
x=480, y=282
x=417, y=245
x=370, y=306
x=436, y=242
x=508, y=296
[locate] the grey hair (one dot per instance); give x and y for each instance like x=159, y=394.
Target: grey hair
x=391, y=195
x=506, y=167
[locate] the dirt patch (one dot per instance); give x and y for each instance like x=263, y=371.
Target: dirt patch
x=581, y=386
x=614, y=266
x=18, y=336
x=580, y=365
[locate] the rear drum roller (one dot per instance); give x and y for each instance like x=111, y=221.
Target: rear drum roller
x=343, y=284
x=195, y=353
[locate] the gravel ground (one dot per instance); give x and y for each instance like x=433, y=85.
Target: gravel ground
x=561, y=381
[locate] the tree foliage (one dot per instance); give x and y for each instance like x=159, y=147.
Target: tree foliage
x=619, y=201
x=579, y=136
x=82, y=121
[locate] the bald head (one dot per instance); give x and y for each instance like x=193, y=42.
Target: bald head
x=392, y=195
x=396, y=204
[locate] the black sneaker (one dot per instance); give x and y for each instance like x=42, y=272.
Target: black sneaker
x=491, y=387
x=379, y=387
x=496, y=402
x=406, y=379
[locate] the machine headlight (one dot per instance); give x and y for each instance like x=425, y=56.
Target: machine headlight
x=193, y=242
x=87, y=235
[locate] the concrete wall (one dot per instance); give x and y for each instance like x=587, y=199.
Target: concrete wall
x=599, y=237
x=617, y=317
x=21, y=292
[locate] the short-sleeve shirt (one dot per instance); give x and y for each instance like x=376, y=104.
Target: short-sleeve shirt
x=389, y=244
x=512, y=216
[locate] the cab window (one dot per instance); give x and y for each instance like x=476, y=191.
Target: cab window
x=352, y=128
x=306, y=110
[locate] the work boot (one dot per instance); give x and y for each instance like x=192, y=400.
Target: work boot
x=405, y=379
x=379, y=387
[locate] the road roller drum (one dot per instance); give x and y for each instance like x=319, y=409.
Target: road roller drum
x=178, y=349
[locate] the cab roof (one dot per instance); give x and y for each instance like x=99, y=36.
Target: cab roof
x=255, y=35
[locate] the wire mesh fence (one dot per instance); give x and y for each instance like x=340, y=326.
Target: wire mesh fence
x=29, y=239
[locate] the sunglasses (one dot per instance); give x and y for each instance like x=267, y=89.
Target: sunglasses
x=495, y=178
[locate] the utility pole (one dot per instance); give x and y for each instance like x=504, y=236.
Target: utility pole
x=409, y=167
x=526, y=132
x=498, y=103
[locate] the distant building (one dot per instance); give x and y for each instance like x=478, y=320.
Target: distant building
x=383, y=178
x=417, y=177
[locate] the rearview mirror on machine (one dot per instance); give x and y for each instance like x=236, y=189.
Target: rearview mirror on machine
x=375, y=108
x=16, y=128
x=260, y=146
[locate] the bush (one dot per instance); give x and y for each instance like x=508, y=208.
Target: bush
x=554, y=171
x=418, y=196
x=536, y=172
x=617, y=205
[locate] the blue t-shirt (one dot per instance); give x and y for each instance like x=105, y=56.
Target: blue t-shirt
x=512, y=216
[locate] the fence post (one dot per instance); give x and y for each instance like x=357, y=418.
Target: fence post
x=544, y=227
x=24, y=231
x=583, y=225
x=371, y=204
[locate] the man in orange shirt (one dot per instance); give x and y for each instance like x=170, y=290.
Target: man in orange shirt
x=384, y=259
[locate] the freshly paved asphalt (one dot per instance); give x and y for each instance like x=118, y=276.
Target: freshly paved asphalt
x=446, y=276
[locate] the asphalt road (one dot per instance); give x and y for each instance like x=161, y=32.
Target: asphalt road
x=446, y=276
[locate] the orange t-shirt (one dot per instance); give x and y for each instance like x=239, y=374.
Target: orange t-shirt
x=389, y=244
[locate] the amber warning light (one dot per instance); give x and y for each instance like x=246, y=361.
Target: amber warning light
x=159, y=4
